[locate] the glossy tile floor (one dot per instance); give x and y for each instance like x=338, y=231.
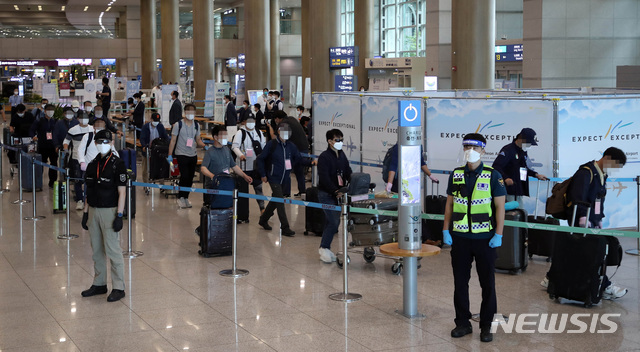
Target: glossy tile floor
x=177, y=301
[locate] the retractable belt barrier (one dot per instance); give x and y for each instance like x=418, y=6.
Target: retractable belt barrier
x=526, y=225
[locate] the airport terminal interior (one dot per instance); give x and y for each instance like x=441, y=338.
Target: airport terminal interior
x=485, y=66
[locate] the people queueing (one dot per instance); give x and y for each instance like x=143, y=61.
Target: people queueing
x=282, y=155
x=137, y=116
x=151, y=131
x=87, y=150
x=105, y=96
x=334, y=173
x=473, y=226
x=106, y=180
x=41, y=131
x=71, y=145
x=63, y=125
x=514, y=165
x=299, y=138
x=247, y=144
x=185, y=138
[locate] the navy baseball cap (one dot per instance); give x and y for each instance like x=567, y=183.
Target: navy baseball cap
x=529, y=135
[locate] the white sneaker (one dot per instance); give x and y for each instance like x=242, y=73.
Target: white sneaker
x=614, y=292
x=187, y=203
x=181, y=203
x=326, y=255
x=545, y=282
x=80, y=205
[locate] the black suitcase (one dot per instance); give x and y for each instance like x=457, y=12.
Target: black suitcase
x=313, y=217
x=215, y=231
x=26, y=172
x=541, y=242
x=158, y=165
x=433, y=204
x=359, y=183
x=578, y=267
x=376, y=204
x=132, y=176
x=512, y=255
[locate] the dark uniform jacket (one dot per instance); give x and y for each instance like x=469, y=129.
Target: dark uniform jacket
x=103, y=176
x=509, y=161
x=330, y=165
x=175, y=113
x=43, y=128
x=587, y=186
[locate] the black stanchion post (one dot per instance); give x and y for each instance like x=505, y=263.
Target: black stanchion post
x=345, y=296
x=68, y=235
x=234, y=271
x=2, y=188
x=20, y=200
x=130, y=253
x=34, y=217
x=636, y=251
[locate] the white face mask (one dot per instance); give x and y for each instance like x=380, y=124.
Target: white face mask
x=98, y=129
x=223, y=140
x=471, y=156
x=245, y=107
x=68, y=116
x=155, y=123
x=284, y=135
x=20, y=114
x=251, y=125
x=15, y=93
x=75, y=109
x=98, y=114
x=84, y=122
x=49, y=113
x=338, y=145
x=104, y=148
x=526, y=146
x=191, y=116
x=88, y=108
x=43, y=105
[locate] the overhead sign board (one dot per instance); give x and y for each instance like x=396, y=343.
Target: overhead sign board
x=343, y=56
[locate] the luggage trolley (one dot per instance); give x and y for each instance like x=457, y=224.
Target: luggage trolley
x=367, y=230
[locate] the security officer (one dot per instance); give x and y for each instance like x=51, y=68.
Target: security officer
x=106, y=178
x=514, y=165
x=475, y=209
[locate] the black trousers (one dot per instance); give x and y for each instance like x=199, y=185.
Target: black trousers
x=50, y=156
x=276, y=191
x=463, y=252
x=187, y=166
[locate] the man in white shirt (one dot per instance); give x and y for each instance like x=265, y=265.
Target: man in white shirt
x=72, y=142
x=247, y=144
x=87, y=150
x=263, y=100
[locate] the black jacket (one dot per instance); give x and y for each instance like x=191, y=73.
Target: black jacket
x=271, y=162
x=586, y=186
x=175, y=113
x=138, y=115
x=508, y=163
x=330, y=165
x=231, y=115
x=298, y=137
x=41, y=128
x=103, y=177
x=22, y=125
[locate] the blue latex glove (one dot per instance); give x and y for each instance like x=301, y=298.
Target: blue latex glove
x=446, y=237
x=170, y=159
x=496, y=241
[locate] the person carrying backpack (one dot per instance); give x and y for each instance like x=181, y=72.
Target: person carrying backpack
x=390, y=169
x=589, y=186
x=247, y=144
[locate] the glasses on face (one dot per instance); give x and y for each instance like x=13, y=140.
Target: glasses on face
x=103, y=141
x=338, y=140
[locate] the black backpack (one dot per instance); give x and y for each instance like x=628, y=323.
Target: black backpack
x=257, y=148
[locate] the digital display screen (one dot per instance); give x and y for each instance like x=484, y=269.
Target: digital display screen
x=411, y=168
x=512, y=52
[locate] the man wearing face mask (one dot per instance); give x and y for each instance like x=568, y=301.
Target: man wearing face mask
x=42, y=132
x=15, y=99
x=105, y=95
x=175, y=113
x=63, y=125
x=475, y=214
x=230, y=115
x=151, y=131
x=259, y=116
x=248, y=143
x=334, y=173
x=245, y=112
x=98, y=114
x=38, y=112
x=106, y=180
x=185, y=138
x=87, y=150
x=514, y=165
x=75, y=106
x=71, y=144
x=138, y=111
x=282, y=155
x=21, y=122
x=263, y=99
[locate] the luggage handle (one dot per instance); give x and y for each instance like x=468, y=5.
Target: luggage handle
x=437, y=188
x=535, y=212
x=575, y=212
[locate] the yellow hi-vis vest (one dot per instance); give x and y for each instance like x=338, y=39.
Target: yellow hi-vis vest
x=477, y=216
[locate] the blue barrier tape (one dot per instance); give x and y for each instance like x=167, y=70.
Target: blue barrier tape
x=183, y=189
x=10, y=147
x=38, y=162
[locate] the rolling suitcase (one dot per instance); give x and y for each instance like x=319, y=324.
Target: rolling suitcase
x=59, y=197
x=222, y=183
x=373, y=235
x=578, y=267
x=540, y=242
x=512, y=255
x=158, y=166
x=27, y=171
x=313, y=217
x=377, y=204
x=133, y=198
x=433, y=204
x=215, y=232
x=129, y=158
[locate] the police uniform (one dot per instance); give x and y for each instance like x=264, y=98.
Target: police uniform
x=514, y=163
x=473, y=226
x=103, y=177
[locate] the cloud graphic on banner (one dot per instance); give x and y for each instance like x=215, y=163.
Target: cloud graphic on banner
x=372, y=104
